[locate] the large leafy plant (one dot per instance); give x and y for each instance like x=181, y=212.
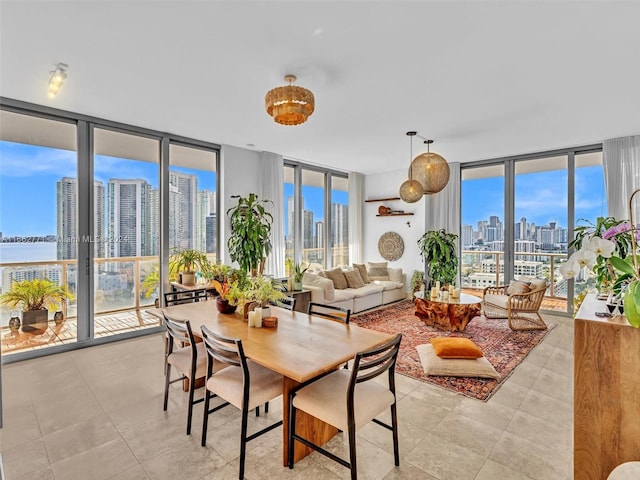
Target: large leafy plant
x=438, y=251
x=36, y=294
x=250, y=241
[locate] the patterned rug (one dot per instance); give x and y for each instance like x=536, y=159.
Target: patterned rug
x=503, y=347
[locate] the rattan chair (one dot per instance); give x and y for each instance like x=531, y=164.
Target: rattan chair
x=520, y=309
x=329, y=311
x=243, y=384
x=348, y=400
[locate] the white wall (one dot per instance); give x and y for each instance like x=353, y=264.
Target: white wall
x=239, y=175
x=386, y=185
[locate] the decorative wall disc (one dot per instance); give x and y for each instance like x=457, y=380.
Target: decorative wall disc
x=391, y=246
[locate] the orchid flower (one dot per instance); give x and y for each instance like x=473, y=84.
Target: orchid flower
x=569, y=269
x=601, y=247
x=585, y=258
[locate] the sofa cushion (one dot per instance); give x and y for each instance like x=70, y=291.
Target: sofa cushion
x=361, y=267
x=455, y=347
x=314, y=280
x=537, y=283
x=378, y=271
x=342, y=295
x=337, y=277
x=354, y=280
x=516, y=287
x=497, y=300
x=365, y=290
x=395, y=275
x=454, y=367
x=388, y=284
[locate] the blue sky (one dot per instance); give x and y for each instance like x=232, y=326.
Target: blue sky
x=28, y=176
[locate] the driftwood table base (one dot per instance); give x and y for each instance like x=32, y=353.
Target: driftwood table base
x=447, y=315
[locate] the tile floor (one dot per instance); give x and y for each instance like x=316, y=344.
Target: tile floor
x=97, y=414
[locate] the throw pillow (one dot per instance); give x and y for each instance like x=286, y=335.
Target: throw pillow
x=354, y=280
x=313, y=280
x=454, y=367
x=362, y=269
x=337, y=277
x=516, y=287
x=378, y=269
x=455, y=347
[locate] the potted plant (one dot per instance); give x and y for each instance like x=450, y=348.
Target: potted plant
x=222, y=302
x=298, y=272
x=186, y=262
x=438, y=251
x=417, y=280
x=35, y=297
x=249, y=243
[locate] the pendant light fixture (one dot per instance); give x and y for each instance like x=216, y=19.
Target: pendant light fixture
x=411, y=190
x=290, y=104
x=431, y=170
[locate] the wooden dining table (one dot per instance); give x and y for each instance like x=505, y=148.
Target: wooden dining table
x=300, y=348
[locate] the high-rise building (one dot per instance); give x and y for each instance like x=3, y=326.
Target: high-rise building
x=467, y=236
x=205, y=206
x=67, y=218
x=212, y=228
x=154, y=221
x=290, y=221
x=307, y=229
x=339, y=225
x=182, y=226
x=128, y=213
x=320, y=234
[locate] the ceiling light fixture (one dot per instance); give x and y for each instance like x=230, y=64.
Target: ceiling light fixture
x=411, y=190
x=289, y=105
x=57, y=78
x=431, y=170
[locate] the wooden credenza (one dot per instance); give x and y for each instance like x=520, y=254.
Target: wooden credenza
x=606, y=392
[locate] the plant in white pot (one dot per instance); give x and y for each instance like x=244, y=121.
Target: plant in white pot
x=187, y=262
x=36, y=297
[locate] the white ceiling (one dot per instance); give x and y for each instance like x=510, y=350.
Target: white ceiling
x=483, y=79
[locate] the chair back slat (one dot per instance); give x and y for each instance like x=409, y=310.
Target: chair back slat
x=288, y=303
x=190, y=296
x=329, y=311
x=371, y=363
x=223, y=349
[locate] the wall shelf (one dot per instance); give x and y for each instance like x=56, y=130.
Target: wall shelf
x=382, y=199
x=395, y=214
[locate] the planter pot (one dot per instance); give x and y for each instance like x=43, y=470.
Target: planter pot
x=35, y=321
x=248, y=307
x=270, y=322
x=297, y=286
x=188, y=278
x=223, y=306
x=58, y=317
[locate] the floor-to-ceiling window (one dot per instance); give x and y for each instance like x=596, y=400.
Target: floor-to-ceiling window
x=534, y=193
x=38, y=225
x=81, y=205
x=125, y=228
x=318, y=232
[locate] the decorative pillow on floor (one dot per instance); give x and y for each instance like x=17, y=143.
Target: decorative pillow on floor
x=454, y=367
x=455, y=347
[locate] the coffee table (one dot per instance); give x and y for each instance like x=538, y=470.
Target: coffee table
x=451, y=315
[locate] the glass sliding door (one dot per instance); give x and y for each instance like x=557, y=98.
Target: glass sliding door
x=339, y=235
x=193, y=215
x=125, y=230
x=482, y=229
x=541, y=224
x=38, y=227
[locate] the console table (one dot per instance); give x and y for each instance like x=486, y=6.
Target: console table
x=606, y=422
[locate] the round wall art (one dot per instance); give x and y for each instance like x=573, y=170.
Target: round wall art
x=391, y=246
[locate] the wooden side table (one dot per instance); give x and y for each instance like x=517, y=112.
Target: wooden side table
x=451, y=315
x=303, y=297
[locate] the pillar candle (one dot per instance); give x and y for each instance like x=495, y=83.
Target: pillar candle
x=445, y=296
x=450, y=289
x=252, y=319
x=258, y=318
x=456, y=293
x=258, y=311
x=438, y=285
x=434, y=292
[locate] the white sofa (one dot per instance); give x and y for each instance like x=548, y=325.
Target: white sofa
x=380, y=291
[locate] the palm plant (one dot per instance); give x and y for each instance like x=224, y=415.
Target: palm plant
x=36, y=294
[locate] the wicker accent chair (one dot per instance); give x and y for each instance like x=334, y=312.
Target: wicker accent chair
x=520, y=309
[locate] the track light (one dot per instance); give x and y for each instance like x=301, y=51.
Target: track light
x=57, y=78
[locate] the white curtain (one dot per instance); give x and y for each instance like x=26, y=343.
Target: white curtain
x=442, y=210
x=356, y=202
x=272, y=188
x=621, y=162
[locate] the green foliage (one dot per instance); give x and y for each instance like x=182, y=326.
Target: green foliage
x=188, y=260
x=416, y=280
x=36, y=294
x=249, y=243
x=605, y=276
x=438, y=251
x=298, y=271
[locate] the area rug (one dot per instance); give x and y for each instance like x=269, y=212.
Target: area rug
x=503, y=347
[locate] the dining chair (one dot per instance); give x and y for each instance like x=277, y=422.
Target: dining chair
x=329, y=311
x=288, y=302
x=189, y=296
x=348, y=400
x=187, y=356
x=243, y=384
